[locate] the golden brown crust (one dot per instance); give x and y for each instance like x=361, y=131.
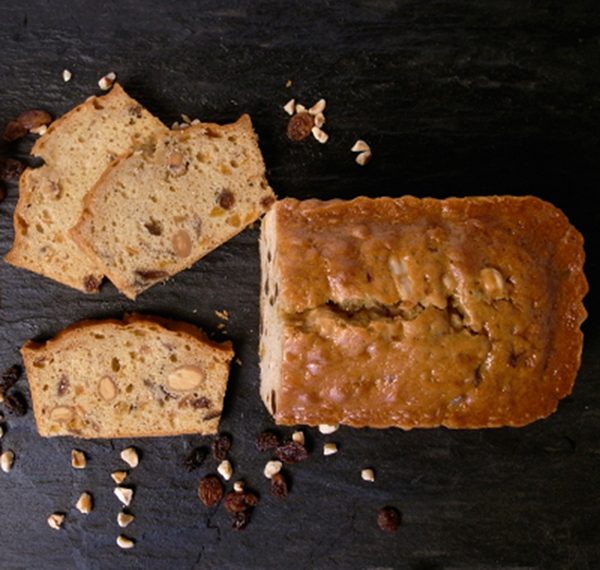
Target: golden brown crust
x=412, y=312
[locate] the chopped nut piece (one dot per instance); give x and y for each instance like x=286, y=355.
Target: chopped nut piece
x=84, y=503
x=225, y=469
x=330, y=449
x=300, y=109
x=1, y=432
x=360, y=146
x=224, y=314
x=318, y=107
x=78, y=459
x=131, y=457
x=389, y=519
x=9, y=378
x=125, y=542
x=288, y=83
x=185, y=378
x=119, y=476
x=238, y=486
x=290, y=107
x=326, y=429
x=55, y=520
x=298, y=437
x=106, y=82
x=186, y=118
x=320, y=135
x=368, y=475
x=124, y=495
x=363, y=158
x=7, y=460
x=271, y=468
x=319, y=120
x=39, y=130
x=210, y=490
x=66, y=75
x=124, y=519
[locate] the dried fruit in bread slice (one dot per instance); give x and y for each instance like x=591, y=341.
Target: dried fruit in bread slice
x=76, y=150
x=160, y=209
x=143, y=376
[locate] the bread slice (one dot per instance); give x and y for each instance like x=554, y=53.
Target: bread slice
x=76, y=150
x=409, y=312
x=158, y=210
x=143, y=376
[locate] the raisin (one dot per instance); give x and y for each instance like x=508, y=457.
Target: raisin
x=279, y=486
x=10, y=169
x=34, y=119
x=300, y=126
x=241, y=520
x=15, y=404
x=195, y=458
x=291, y=452
x=267, y=440
x=238, y=502
x=13, y=131
x=91, y=284
x=226, y=199
x=63, y=386
x=221, y=446
x=267, y=201
x=10, y=377
x=389, y=519
x=200, y=403
x=210, y=490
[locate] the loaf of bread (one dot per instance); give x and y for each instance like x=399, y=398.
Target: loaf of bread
x=409, y=312
x=160, y=209
x=143, y=376
x=76, y=149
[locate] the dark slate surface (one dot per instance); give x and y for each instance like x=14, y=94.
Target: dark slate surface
x=456, y=98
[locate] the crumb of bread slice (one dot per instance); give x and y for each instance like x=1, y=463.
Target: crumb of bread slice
x=142, y=376
x=159, y=209
x=76, y=150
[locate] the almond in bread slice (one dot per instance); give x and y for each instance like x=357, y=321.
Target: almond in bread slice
x=76, y=150
x=143, y=376
x=158, y=210
x=418, y=313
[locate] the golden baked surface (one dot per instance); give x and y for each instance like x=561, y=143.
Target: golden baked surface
x=412, y=312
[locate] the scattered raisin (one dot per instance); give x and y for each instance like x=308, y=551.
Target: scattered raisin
x=389, y=519
x=91, y=284
x=14, y=131
x=34, y=119
x=195, y=458
x=267, y=440
x=279, y=486
x=238, y=502
x=10, y=169
x=10, y=377
x=63, y=386
x=15, y=404
x=291, y=452
x=210, y=490
x=200, y=403
x=226, y=199
x=221, y=446
x=300, y=126
x=241, y=520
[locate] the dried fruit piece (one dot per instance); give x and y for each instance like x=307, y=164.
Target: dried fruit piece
x=131, y=457
x=300, y=125
x=10, y=169
x=15, y=404
x=389, y=519
x=291, y=452
x=267, y=440
x=78, y=459
x=55, y=521
x=210, y=490
x=125, y=542
x=279, y=486
x=221, y=446
x=34, y=119
x=195, y=458
x=226, y=199
x=237, y=502
x=9, y=378
x=13, y=131
x=241, y=520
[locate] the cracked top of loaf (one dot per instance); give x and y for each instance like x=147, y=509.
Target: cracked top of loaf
x=410, y=312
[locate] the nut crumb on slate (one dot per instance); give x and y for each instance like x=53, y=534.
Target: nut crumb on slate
x=267, y=440
x=195, y=458
x=291, y=452
x=360, y=146
x=326, y=429
x=124, y=519
x=288, y=83
x=124, y=494
x=85, y=503
x=221, y=446
x=363, y=158
x=300, y=108
x=319, y=120
x=7, y=460
x=298, y=437
x=300, y=126
x=119, y=476
x=106, y=82
x=368, y=475
x=130, y=456
x=125, y=542
x=318, y=107
x=272, y=468
x=55, y=521
x=66, y=75
x=279, y=488
x=224, y=314
x=41, y=130
x=210, y=490
x=78, y=459
x=319, y=134
x=238, y=486
x=225, y=469
x=290, y=107
x=330, y=449
x=388, y=519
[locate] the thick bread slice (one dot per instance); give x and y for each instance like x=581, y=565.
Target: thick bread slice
x=157, y=211
x=409, y=312
x=143, y=376
x=76, y=150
